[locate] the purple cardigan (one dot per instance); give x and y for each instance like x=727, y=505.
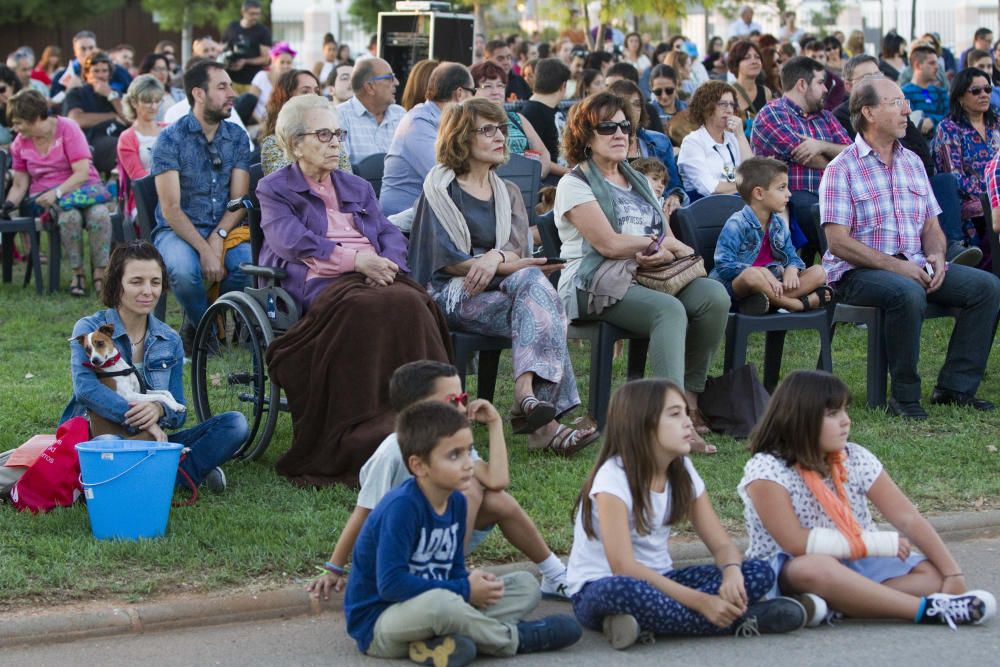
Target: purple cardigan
x=294, y=223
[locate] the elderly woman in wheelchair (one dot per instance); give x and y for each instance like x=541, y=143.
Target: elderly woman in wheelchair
x=345, y=267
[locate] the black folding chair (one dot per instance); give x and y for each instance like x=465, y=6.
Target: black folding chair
x=526, y=174
x=10, y=228
x=371, y=169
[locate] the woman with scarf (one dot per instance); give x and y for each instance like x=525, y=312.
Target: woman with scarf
x=469, y=246
x=611, y=224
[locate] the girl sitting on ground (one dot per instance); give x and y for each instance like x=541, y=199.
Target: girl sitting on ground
x=805, y=493
x=621, y=577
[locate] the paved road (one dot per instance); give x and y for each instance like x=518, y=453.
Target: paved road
x=322, y=641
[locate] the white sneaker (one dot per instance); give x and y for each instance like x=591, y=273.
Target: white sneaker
x=816, y=608
x=555, y=588
x=215, y=480
x=970, y=608
x=621, y=630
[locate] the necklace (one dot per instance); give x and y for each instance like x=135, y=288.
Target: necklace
x=728, y=168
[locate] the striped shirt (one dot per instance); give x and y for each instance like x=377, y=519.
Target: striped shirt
x=365, y=136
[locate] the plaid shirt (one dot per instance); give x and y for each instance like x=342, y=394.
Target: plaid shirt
x=776, y=131
x=993, y=181
x=885, y=207
x=364, y=136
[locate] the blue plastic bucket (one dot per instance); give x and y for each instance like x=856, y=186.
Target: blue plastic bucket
x=128, y=485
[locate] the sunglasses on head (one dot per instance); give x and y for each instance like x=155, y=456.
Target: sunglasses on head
x=664, y=91
x=977, y=90
x=609, y=127
x=457, y=399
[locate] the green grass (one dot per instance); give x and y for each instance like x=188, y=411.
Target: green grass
x=265, y=532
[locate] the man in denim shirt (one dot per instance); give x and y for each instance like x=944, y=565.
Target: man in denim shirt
x=199, y=164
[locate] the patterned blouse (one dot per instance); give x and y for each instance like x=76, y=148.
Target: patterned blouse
x=272, y=157
x=959, y=148
x=517, y=141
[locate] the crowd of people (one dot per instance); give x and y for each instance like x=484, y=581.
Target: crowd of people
x=898, y=152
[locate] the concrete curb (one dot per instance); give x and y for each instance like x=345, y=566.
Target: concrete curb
x=62, y=626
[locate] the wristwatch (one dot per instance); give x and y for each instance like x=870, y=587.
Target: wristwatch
x=113, y=95
x=222, y=232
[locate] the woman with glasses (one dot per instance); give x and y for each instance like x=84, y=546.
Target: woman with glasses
x=710, y=155
x=157, y=65
x=346, y=269
x=469, y=247
x=135, y=145
x=610, y=224
x=491, y=81
x=966, y=140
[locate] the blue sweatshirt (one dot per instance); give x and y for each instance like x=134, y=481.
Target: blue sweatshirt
x=405, y=548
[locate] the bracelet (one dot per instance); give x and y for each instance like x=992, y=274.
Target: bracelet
x=731, y=565
x=949, y=576
x=503, y=257
x=334, y=569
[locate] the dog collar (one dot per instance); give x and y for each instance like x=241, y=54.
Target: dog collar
x=107, y=364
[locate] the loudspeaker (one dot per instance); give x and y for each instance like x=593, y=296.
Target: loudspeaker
x=404, y=38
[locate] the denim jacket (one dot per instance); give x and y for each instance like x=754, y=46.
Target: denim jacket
x=163, y=369
x=739, y=245
x=657, y=145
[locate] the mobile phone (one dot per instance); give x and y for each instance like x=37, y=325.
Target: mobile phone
x=555, y=260
x=655, y=247
x=929, y=268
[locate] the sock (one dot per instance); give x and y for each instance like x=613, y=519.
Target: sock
x=551, y=567
x=920, y=610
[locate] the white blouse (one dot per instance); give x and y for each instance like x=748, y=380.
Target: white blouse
x=704, y=164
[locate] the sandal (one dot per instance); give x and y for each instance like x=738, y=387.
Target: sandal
x=755, y=304
x=98, y=284
x=824, y=293
x=531, y=415
x=76, y=287
x=700, y=446
x=568, y=441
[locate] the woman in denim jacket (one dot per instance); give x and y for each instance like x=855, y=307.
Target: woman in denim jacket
x=135, y=279
x=759, y=267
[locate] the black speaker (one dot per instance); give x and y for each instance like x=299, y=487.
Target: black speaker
x=405, y=38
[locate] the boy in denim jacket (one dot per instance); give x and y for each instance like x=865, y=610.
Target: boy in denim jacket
x=754, y=256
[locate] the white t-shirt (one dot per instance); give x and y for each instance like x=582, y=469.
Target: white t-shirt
x=587, y=560
x=182, y=108
x=262, y=81
x=146, y=149
x=703, y=163
x=863, y=468
x=384, y=471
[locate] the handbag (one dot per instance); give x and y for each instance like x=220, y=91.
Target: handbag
x=734, y=402
x=53, y=480
x=673, y=277
x=85, y=197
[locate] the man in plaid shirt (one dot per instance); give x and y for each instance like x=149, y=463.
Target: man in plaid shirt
x=886, y=250
x=797, y=130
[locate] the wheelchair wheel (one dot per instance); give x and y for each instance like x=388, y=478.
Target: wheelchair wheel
x=228, y=369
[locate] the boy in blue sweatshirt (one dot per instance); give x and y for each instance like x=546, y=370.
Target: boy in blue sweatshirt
x=409, y=592
x=754, y=256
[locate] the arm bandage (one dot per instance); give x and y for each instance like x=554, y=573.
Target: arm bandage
x=831, y=542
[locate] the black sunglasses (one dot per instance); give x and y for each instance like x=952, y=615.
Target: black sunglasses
x=976, y=90
x=213, y=155
x=609, y=127
x=471, y=91
x=664, y=91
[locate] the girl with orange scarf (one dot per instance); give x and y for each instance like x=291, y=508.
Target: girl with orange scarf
x=805, y=493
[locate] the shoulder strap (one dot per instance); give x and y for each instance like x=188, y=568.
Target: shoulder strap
x=746, y=98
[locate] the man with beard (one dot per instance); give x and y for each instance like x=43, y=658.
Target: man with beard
x=199, y=164
x=796, y=129
x=887, y=250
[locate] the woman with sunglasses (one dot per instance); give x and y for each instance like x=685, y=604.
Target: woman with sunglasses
x=470, y=248
x=967, y=139
x=345, y=266
x=605, y=213
x=710, y=155
x=663, y=86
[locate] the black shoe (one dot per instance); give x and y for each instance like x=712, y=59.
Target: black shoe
x=959, y=253
x=948, y=397
x=548, y=634
x=908, y=410
x=447, y=651
x=771, y=617
x=755, y=304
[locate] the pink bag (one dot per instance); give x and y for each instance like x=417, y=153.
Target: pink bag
x=53, y=480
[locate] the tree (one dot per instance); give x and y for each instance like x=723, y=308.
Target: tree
x=53, y=12
x=827, y=17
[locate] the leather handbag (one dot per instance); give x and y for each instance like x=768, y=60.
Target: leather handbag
x=673, y=277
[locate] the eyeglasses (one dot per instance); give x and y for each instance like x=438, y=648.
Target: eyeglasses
x=385, y=77
x=457, y=399
x=213, y=154
x=898, y=102
x=471, y=91
x=664, y=91
x=723, y=104
x=489, y=131
x=609, y=127
x=979, y=90
x=325, y=135
x=492, y=86
x=150, y=103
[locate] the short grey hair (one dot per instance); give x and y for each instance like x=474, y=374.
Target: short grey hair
x=855, y=62
x=143, y=87
x=292, y=120
x=863, y=95
x=23, y=53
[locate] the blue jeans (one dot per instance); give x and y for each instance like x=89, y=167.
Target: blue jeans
x=184, y=266
x=945, y=187
x=212, y=443
x=975, y=292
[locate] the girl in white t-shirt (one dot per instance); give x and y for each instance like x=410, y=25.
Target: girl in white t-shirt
x=621, y=577
x=806, y=491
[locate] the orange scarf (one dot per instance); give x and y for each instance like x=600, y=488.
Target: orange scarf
x=837, y=507
x=236, y=236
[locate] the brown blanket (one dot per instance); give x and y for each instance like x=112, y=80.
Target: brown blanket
x=334, y=366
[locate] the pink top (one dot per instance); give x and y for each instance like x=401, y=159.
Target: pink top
x=52, y=169
x=340, y=229
x=765, y=256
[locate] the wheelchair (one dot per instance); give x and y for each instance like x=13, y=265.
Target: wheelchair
x=228, y=371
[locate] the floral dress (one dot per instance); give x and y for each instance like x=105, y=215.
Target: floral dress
x=960, y=149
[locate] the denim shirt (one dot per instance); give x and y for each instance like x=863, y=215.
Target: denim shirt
x=163, y=368
x=657, y=145
x=183, y=148
x=740, y=240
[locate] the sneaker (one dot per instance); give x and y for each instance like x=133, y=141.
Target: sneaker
x=958, y=253
x=555, y=588
x=548, y=634
x=447, y=651
x=972, y=607
x=755, y=304
x=816, y=609
x=215, y=480
x=774, y=616
x=621, y=630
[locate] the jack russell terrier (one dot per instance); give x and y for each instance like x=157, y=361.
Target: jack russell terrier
x=122, y=378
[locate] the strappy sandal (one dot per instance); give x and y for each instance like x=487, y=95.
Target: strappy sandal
x=825, y=295
x=76, y=287
x=700, y=446
x=755, y=304
x=531, y=415
x=701, y=427
x=568, y=441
